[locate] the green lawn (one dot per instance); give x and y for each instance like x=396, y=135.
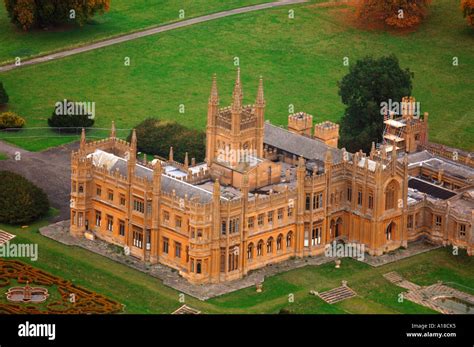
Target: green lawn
x=301, y=60
x=3, y=156
x=141, y=293
x=124, y=16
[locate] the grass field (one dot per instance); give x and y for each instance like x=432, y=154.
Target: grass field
x=144, y=294
x=301, y=60
x=124, y=16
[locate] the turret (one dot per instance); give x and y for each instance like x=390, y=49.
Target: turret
x=237, y=97
x=300, y=123
x=328, y=132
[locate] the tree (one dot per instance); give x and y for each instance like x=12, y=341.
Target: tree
x=395, y=13
x=70, y=119
x=10, y=120
x=21, y=201
x=155, y=136
x=28, y=14
x=369, y=83
x=467, y=7
x=3, y=95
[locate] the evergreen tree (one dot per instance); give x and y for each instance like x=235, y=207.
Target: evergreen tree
x=369, y=83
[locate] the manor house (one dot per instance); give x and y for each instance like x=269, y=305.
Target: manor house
x=267, y=193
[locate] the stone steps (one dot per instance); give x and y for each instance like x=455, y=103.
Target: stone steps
x=393, y=277
x=5, y=237
x=337, y=294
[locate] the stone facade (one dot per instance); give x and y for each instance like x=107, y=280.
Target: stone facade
x=266, y=194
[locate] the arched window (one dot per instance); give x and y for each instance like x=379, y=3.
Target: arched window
x=250, y=251
x=198, y=267
x=289, y=237
x=270, y=245
x=390, y=195
x=389, y=231
x=260, y=248
x=279, y=242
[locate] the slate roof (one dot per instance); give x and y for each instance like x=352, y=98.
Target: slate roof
x=308, y=148
x=168, y=184
x=430, y=189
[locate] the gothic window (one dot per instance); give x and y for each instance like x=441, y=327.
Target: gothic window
x=121, y=228
x=223, y=227
x=308, y=202
x=110, y=223
x=390, y=196
x=81, y=188
x=166, y=245
x=349, y=194
x=316, y=236
x=178, y=222
x=98, y=218
x=110, y=195
x=270, y=217
x=251, y=222
x=260, y=248
x=371, y=201
x=260, y=219
x=279, y=242
x=250, y=251
x=138, y=206
x=138, y=237
x=198, y=267
x=122, y=200
x=270, y=245
x=438, y=221
x=177, y=250
x=410, y=221
x=359, y=198
x=462, y=231
x=98, y=190
x=280, y=214
x=289, y=237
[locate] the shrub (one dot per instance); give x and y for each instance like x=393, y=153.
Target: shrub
x=21, y=201
x=69, y=121
x=156, y=136
x=3, y=95
x=27, y=14
x=11, y=120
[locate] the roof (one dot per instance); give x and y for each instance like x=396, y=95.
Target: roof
x=454, y=169
x=430, y=189
x=306, y=147
x=168, y=184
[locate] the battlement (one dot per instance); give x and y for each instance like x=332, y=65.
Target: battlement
x=328, y=132
x=300, y=123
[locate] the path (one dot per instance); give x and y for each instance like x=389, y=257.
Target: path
x=49, y=169
x=148, y=32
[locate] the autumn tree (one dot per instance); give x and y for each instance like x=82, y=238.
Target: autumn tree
x=395, y=13
x=28, y=14
x=467, y=7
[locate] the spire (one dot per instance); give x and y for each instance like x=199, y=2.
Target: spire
x=237, y=95
x=133, y=140
x=83, y=139
x=171, y=155
x=186, y=160
x=157, y=168
x=113, y=130
x=260, y=95
x=214, y=98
